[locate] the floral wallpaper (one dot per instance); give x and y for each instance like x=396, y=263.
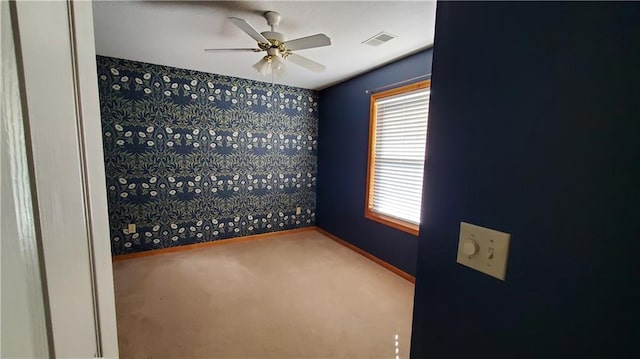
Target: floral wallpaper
x=195, y=157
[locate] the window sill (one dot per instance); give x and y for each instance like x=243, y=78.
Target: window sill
x=393, y=222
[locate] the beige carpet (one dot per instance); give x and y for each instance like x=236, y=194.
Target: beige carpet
x=298, y=295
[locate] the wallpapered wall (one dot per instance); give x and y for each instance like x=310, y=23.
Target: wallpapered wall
x=194, y=157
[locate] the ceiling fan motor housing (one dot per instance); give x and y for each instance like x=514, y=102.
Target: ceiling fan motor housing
x=276, y=38
x=272, y=35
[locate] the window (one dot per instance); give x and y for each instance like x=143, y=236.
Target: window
x=397, y=139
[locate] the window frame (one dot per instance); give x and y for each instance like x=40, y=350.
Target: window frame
x=396, y=223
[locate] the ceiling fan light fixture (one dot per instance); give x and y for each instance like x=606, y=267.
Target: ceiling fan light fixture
x=277, y=67
x=262, y=66
x=271, y=65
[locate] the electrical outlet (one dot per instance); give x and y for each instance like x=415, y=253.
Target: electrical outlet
x=298, y=210
x=131, y=228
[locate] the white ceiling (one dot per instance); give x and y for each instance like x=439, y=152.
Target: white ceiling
x=174, y=33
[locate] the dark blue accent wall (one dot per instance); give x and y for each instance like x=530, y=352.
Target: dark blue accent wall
x=534, y=130
x=193, y=157
x=342, y=163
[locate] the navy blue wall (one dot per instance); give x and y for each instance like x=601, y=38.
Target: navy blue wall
x=342, y=163
x=534, y=130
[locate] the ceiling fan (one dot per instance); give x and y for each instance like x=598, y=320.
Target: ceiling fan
x=277, y=48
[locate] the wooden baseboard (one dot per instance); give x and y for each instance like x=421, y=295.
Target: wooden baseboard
x=368, y=255
x=208, y=244
x=188, y=247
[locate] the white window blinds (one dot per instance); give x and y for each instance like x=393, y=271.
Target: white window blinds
x=398, y=154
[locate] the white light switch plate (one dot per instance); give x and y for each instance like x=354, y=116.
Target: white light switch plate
x=483, y=249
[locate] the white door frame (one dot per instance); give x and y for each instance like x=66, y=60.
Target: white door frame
x=57, y=58
x=24, y=314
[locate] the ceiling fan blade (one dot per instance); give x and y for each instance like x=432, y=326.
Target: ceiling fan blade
x=306, y=63
x=233, y=50
x=308, y=42
x=249, y=30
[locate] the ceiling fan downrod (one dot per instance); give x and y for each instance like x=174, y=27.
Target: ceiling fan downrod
x=273, y=19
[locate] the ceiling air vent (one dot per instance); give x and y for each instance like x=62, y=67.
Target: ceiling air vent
x=379, y=39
